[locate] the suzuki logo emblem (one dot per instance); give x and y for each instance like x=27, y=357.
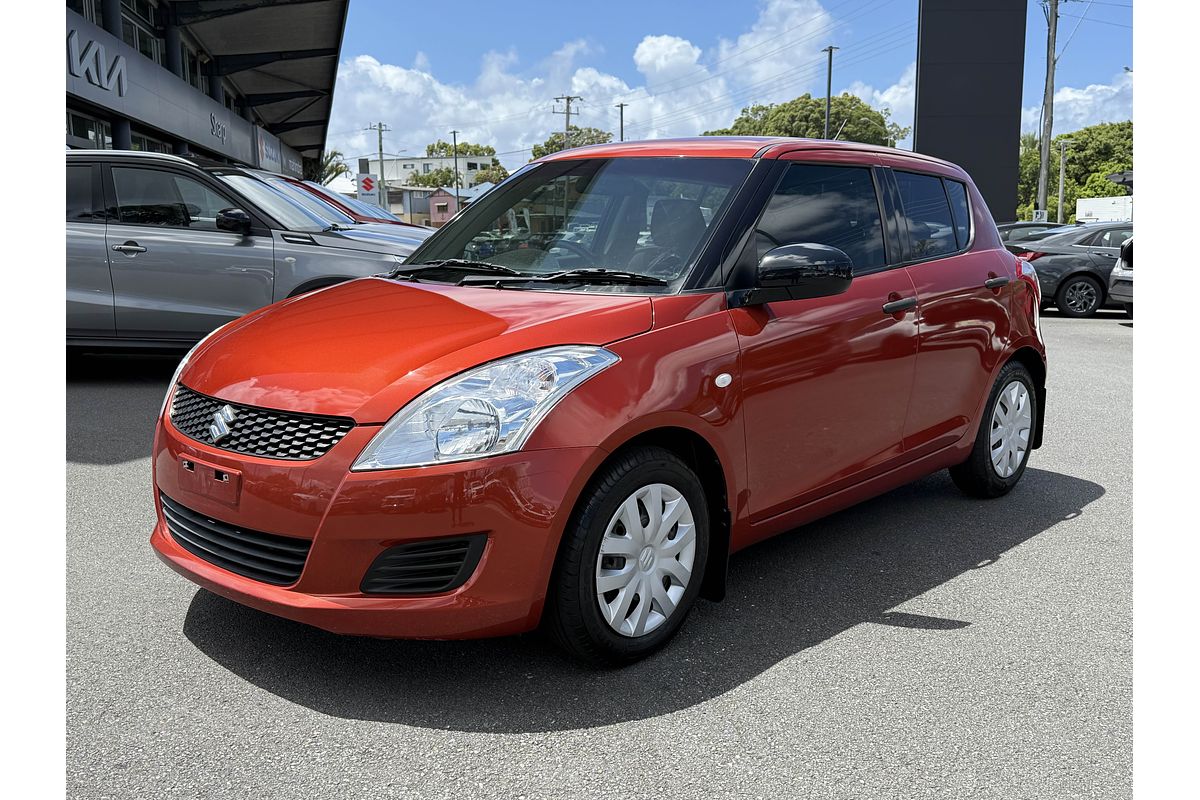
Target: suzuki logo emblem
x=220, y=424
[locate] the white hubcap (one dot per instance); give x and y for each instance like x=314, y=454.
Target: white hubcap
x=1012, y=420
x=646, y=559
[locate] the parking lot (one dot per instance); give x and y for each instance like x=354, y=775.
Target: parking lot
x=921, y=644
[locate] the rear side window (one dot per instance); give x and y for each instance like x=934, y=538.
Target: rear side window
x=957, y=193
x=80, y=194
x=927, y=211
x=825, y=204
x=156, y=197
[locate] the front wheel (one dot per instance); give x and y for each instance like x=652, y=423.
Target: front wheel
x=632, y=559
x=1002, y=446
x=1079, y=296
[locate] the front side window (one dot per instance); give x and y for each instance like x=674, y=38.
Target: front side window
x=292, y=215
x=927, y=211
x=825, y=204
x=644, y=215
x=156, y=197
x=80, y=195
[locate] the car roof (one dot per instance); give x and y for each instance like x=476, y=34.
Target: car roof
x=730, y=147
x=92, y=153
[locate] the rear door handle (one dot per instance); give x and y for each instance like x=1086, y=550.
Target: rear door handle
x=900, y=306
x=996, y=283
x=129, y=247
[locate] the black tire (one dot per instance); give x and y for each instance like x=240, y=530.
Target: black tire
x=977, y=477
x=573, y=615
x=1084, y=285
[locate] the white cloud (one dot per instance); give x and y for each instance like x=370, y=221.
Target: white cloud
x=1078, y=108
x=682, y=89
x=900, y=97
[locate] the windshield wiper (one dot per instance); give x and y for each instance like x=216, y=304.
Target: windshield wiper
x=484, y=267
x=593, y=275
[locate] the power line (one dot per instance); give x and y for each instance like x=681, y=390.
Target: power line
x=566, y=100
x=1100, y=21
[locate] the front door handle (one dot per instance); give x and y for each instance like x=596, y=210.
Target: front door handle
x=129, y=248
x=996, y=283
x=900, y=306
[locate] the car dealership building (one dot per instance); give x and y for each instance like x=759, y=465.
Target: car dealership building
x=247, y=82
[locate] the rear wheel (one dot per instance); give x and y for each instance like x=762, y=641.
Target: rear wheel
x=632, y=560
x=1079, y=296
x=1002, y=446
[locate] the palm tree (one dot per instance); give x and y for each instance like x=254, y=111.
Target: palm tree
x=330, y=166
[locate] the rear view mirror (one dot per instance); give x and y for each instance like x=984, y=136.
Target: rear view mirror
x=799, y=272
x=234, y=220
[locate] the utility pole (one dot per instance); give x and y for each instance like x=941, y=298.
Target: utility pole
x=1062, y=161
x=383, y=192
x=828, y=87
x=621, y=110
x=1050, y=8
x=567, y=99
x=457, y=182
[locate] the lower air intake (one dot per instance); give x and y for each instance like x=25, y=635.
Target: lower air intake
x=428, y=567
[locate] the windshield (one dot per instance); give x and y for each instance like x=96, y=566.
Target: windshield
x=647, y=216
x=365, y=209
x=315, y=205
x=292, y=215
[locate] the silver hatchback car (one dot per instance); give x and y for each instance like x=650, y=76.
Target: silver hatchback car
x=160, y=252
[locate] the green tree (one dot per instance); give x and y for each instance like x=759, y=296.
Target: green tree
x=493, y=173
x=446, y=149
x=323, y=170
x=850, y=119
x=1094, y=153
x=579, y=138
x=442, y=176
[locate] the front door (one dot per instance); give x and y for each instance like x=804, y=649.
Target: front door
x=826, y=382
x=89, y=284
x=175, y=276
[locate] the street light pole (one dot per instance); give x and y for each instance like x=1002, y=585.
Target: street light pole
x=621, y=110
x=828, y=87
x=457, y=182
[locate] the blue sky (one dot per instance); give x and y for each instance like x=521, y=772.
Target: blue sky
x=491, y=70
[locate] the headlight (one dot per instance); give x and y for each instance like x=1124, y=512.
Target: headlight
x=179, y=370
x=485, y=411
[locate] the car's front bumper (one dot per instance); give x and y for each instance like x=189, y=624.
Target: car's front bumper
x=520, y=501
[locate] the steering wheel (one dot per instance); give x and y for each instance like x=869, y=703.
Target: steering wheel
x=577, y=249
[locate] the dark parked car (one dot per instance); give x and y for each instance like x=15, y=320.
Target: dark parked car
x=1016, y=231
x=1074, y=266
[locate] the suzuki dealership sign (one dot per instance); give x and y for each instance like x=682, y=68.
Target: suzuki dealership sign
x=368, y=189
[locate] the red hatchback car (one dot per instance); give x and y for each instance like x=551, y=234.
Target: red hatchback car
x=698, y=344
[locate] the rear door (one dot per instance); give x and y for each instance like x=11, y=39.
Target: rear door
x=826, y=381
x=174, y=275
x=89, y=284
x=963, y=291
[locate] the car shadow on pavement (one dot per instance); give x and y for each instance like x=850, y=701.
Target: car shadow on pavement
x=785, y=595
x=112, y=401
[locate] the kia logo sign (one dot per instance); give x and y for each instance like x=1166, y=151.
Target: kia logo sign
x=218, y=128
x=92, y=64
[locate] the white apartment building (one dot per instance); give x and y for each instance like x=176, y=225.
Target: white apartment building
x=400, y=170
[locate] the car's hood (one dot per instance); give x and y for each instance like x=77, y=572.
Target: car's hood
x=365, y=348
x=375, y=237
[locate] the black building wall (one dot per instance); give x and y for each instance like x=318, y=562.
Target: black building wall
x=970, y=65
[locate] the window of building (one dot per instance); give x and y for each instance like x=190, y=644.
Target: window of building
x=472, y=165
x=426, y=167
x=442, y=208
x=927, y=211
x=957, y=193
x=138, y=26
x=409, y=166
x=158, y=197
x=81, y=194
x=829, y=205
x=96, y=131
x=148, y=144
x=193, y=68
x=88, y=9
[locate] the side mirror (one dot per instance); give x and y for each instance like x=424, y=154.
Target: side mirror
x=799, y=272
x=233, y=220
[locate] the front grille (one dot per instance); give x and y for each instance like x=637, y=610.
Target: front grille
x=428, y=567
x=264, y=557
x=256, y=431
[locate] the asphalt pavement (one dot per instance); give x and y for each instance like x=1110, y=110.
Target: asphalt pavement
x=918, y=645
